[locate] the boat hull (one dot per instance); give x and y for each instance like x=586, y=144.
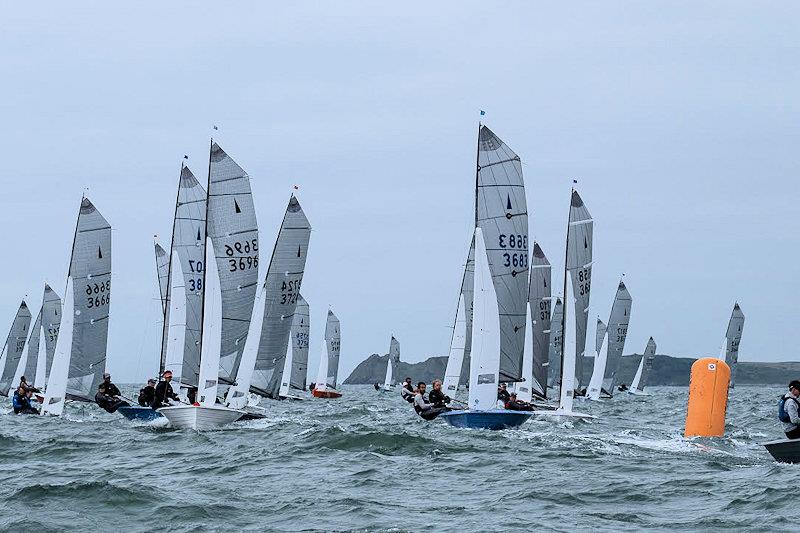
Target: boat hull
x=136, y=412
x=495, y=419
x=326, y=394
x=784, y=450
x=200, y=417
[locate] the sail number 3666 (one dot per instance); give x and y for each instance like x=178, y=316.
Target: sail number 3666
x=98, y=294
x=237, y=261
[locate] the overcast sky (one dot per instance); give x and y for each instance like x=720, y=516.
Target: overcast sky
x=679, y=119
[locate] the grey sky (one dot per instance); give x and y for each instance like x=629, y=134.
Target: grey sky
x=679, y=119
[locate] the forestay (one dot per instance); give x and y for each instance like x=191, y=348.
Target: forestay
x=579, y=268
x=733, y=337
x=90, y=270
x=233, y=230
x=282, y=286
x=645, y=367
x=539, y=299
x=14, y=348
x=189, y=244
x=617, y=333
x=299, y=342
x=502, y=216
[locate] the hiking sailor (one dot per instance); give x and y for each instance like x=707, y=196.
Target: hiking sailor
x=517, y=405
x=407, y=391
x=147, y=394
x=437, y=398
x=21, y=401
x=108, y=395
x=502, y=393
x=789, y=411
x=164, y=392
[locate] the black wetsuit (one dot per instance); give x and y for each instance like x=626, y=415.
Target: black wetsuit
x=518, y=405
x=503, y=395
x=438, y=398
x=146, y=396
x=106, y=397
x=163, y=392
x=409, y=395
x=377, y=386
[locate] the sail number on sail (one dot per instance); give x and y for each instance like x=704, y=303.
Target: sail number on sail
x=518, y=242
x=584, y=281
x=98, y=294
x=290, y=290
x=301, y=339
x=544, y=309
x=52, y=333
x=622, y=332
x=242, y=262
x=196, y=284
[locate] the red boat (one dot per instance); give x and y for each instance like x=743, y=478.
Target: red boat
x=327, y=393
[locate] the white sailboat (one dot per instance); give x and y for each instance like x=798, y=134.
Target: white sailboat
x=643, y=371
x=391, y=365
x=14, y=349
x=325, y=386
x=609, y=357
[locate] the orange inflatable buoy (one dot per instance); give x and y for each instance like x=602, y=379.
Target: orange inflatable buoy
x=708, y=398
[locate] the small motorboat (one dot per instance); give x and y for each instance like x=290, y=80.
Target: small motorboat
x=494, y=419
x=326, y=393
x=784, y=450
x=199, y=417
x=137, y=412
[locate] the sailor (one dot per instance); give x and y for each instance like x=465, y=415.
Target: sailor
x=622, y=388
x=377, y=386
x=420, y=404
x=147, y=394
x=502, y=393
x=791, y=407
x=517, y=405
x=407, y=390
x=164, y=392
x=437, y=398
x=22, y=402
x=108, y=395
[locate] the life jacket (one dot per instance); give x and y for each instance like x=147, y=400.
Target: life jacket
x=783, y=416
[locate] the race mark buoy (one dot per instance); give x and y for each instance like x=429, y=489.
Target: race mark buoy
x=708, y=398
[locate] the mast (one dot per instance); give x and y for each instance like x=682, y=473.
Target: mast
x=564, y=303
x=205, y=254
x=168, y=291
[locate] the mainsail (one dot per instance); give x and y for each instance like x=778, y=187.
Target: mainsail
x=233, y=230
x=299, y=333
x=733, y=337
x=392, y=362
x=30, y=368
x=554, y=348
x=502, y=216
x=539, y=299
x=329, y=366
x=14, y=348
x=579, y=270
x=617, y=333
x=282, y=286
x=189, y=244
x=51, y=323
x=645, y=366
x=90, y=271
x=162, y=269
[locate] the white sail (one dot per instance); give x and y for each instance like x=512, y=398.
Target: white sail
x=645, y=366
x=212, y=326
x=502, y=215
x=392, y=362
x=486, y=327
x=617, y=332
x=176, y=328
x=30, y=367
x=467, y=286
x=525, y=388
x=287, y=370
x=162, y=269
x=41, y=361
x=579, y=268
x=452, y=374
x=14, y=349
x=733, y=337
x=554, y=348
x=55, y=394
x=600, y=362
x=599, y=335
x=322, y=372
x=568, y=352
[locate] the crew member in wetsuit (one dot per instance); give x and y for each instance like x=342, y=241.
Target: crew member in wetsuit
x=407, y=391
x=425, y=409
x=164, y=392
x=517, y=405
x=108, y=395
x=622, y=388
x=147, y=394
x=22, y=402
x=377, y=386
x=436, y=397
x=502, y=393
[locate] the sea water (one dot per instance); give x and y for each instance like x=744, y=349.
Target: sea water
x=366, y=462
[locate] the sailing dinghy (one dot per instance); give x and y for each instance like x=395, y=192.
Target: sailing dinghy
x=485, y=357
x=643, y=371
x=577, y=284
x=613, y=345
x=228, y=292
x=41, y=342
x=391, y=365
x=79, y=360
x=296, y=366
x=325, y=387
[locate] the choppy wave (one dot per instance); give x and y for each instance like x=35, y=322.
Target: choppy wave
x=367, y=463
